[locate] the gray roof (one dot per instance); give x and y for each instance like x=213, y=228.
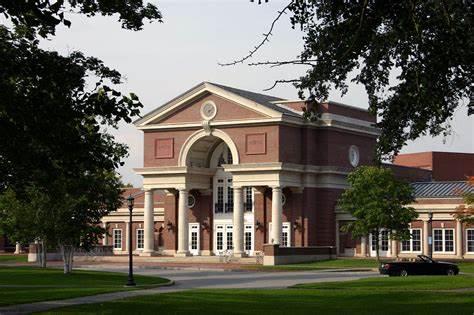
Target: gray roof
x=262, y=99
x=441, y=189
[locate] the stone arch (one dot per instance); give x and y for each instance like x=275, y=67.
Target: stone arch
x=199, y=135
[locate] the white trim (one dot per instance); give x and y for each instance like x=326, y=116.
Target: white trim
x=196, y=136
x=411, y=242
x=443, y=241
x=137, y=238
x=201, y=88
x=114, y=238
x=194, y=227
x=467, y=240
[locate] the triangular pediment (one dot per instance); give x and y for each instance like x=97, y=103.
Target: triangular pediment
x=230, y=104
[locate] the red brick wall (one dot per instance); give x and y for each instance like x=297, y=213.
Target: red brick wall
x=324, y=226
x=445, y=166
x=202, y=213
x=260, y=216
x=170, y=240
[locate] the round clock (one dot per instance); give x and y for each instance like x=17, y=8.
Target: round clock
x=208, y=110
x=354, y=155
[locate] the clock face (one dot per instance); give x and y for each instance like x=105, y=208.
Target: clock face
x=354, y=155
x=208, y=110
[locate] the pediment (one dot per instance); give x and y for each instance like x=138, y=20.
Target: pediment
x=186, y=108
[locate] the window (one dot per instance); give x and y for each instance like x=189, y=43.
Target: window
x=230, y=244
x=117, y=239
x=230, y=196
x=248, y=205
x=248, y=241
x=414, y=243
x=443, y=240
x=384, y=240
x=140, y=238
x=220, y=240
x=470, y=240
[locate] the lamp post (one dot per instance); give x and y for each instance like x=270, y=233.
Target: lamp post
x=430, y=234
x=130, y=281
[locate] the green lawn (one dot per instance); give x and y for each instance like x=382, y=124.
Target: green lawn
x=412, y=295
x=7, y=258
x=27, y=284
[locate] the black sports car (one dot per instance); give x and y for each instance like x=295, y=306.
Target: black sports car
x=424, y=265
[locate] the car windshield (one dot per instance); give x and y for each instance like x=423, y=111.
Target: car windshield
x=425, y=259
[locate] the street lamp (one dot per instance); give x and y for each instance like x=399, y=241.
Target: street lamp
x=430, y=235
x=130, y=282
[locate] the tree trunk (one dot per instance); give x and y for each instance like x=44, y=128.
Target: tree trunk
x=68, y=257
x=377, y=246
x=41, y=255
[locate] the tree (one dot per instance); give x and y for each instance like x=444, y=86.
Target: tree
x=378, y=201
x=465, y=213
x=414, y=59
x=54, y=115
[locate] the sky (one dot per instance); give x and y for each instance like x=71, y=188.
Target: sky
x=165, y=59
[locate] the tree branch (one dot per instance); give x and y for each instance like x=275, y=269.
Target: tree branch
x=282, y=63
x=265, y=39
x=281, y=81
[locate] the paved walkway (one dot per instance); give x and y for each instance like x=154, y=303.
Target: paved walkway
x=195, y=279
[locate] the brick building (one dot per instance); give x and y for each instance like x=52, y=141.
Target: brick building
x=231, y=170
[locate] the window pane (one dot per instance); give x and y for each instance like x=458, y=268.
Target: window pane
x=449, y=240
x=140, y=238
x=117, y=239
x=406, y=246
x=248, y=241
x=470, y=240
x=220, y=242
x=384, y=241
x=416, y=240
x=438, y=240
x=229, y=241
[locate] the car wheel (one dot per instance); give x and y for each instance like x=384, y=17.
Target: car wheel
x=450, y=272
x=403, y=273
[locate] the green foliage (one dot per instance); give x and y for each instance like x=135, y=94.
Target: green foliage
x=413, y=57
x=43, y=16
x=378, y=201
x=58, y=162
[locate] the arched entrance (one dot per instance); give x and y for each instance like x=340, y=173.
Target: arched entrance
x=213, y=152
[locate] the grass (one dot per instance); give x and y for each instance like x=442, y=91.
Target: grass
x=412, y=295
x=27, y=284
x=10, y=258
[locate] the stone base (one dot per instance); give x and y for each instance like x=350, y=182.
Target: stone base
x=148, y=254
x=240, y=255
x=185, y=254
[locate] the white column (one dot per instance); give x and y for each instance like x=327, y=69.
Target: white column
x=238, y=223
x=17, y=248
x=459, y=245
x=363, y=246
x=394, y=248
x=127, y=236
x=183, y=249
x=426, y=248
x=148, y=225
x=337, y=239
x=106, y=238
x=277, y=210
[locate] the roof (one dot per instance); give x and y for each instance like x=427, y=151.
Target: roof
x=262, y=99
x=266, y=101
x=442, y=189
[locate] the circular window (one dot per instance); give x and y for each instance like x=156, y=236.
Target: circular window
x=283, y=199
x=191, y=201
x=208, y=110
x=354, y=155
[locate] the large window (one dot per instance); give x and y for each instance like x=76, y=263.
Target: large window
x=470, y=240
x=248, y=204
x=140, y=238
x=414, y=243
x=117, y=238
x=443, y=240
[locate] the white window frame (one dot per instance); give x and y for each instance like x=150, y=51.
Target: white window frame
x=443, y=240
x=248, y=190
x=194, y=227
x=137, y=243
x=411, y=242
x=114, y=238
x=467, y=240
